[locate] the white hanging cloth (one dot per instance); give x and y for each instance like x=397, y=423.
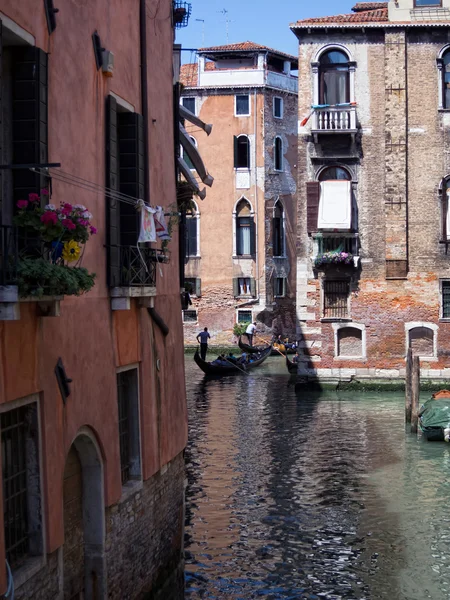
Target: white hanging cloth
x=147, y=231
x=160, y=223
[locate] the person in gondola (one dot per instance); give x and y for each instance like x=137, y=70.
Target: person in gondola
x=250, y=332
x=203, y=341
x=295, y=359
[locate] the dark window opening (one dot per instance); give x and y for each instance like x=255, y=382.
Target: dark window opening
x=244, y=316
x=446, y=79
x=334, y=79
x=186, y=156
x=241, y=152
x=278, y=232
x=278, y=107
x=420, y=3
x=128, y=407
x=278, y=150
x=189, y=103
x=279, y=287
x=243, y=104
x=189, y=316
x=191, y=230
x=334, y=173
x=335, y=299
x=446, y=299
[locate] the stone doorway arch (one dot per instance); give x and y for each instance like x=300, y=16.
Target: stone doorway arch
x=84, y=521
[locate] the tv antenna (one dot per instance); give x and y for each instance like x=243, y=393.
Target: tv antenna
x=202, y=21
x=224, y=12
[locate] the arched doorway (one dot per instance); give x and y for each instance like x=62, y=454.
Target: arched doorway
x=84, y=521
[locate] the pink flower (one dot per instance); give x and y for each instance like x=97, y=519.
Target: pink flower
x=93, y=230
x=44, y=192
x=33, y=197
x=83, y=222
x=68, y=224
x=22, y=203
x=66, y=209
x=49, y=218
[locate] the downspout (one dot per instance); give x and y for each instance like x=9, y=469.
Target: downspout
x=256, y=199
x=407, y=150
x=144, y=95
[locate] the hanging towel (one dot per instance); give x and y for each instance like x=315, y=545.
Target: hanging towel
x=335, y=205
x=147, y=232
x=160, y=223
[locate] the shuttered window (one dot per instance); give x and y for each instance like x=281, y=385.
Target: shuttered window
x=335, y=299
x=312, y=205
x=244, y=286
x=445, y=299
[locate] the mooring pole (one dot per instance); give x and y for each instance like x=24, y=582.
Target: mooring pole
x=415, y=394
x=408, y=389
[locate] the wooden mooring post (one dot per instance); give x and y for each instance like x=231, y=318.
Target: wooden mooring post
x=412, y=392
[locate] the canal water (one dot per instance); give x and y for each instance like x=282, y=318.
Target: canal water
x=296, y=495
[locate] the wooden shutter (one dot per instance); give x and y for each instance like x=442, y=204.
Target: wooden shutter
x=29, y=118
x=130, y=137
x=312, y=205
x=235, y=151
x=252, y=237
x=235, y=287
x=198, y=287
x=253, y=287
x=444, y=210
x=112, y=181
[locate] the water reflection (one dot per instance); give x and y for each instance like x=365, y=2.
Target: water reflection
x=310, y=495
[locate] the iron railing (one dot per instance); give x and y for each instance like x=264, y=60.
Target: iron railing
x=138, y=265
x=181, y=13
x=342, y=243
x=336, y=299
x=8, y=255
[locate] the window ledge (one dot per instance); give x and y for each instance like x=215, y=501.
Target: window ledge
x=121, y=296
x=280, y=257
x=429, y=358
x=130, y=488
x=335, y=320
x=444, y=110
x=444, y=320
x=358, y=358
x=28, y=570
x=246, y=256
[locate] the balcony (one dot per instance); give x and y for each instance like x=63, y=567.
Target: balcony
x=336, y=242
x=333, y=120
x=137, y=276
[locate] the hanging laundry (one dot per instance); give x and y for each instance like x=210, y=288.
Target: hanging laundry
x=160, y=223
x=147, y=231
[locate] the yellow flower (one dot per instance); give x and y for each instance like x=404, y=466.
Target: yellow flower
x=71, y=251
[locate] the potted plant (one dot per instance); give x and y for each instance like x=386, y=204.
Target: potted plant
x=336, y=258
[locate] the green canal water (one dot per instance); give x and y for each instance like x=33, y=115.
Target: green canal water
x=296, y=495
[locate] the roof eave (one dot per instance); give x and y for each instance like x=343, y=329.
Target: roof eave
x=294, y=27
x=214, y=53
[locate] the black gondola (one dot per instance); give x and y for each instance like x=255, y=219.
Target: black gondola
x=251, y=349
x=283, y=348
x=210, y=369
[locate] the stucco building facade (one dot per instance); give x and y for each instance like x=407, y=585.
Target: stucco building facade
x=92, y=416
x=240, y=243
x=373, y=267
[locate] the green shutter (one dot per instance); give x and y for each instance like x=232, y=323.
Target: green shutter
x=29, y=118
x=112, y=181
x=252, y=237
x=198, y=287
x=235, y=287
x=253, y=287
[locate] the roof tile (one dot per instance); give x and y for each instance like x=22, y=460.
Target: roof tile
x=379, y=15
x=245, y=47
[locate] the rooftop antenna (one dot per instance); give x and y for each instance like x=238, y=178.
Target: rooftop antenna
x=224, y=12
x=202, y=21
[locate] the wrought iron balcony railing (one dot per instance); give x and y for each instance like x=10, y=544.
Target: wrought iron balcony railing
x=138, y=265
x=337, y=242
x=8, y=255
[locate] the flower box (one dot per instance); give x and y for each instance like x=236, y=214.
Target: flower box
x=336, y=259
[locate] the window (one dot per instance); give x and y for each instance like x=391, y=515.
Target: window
x=278, y=154
x=445, y=78
x=189, y=103
x=279, y=290
x=278, y=231
x=335, y=299
x=334, y=80
x=185, y=156
x=129, y=438
x=193, y=286
x=349, y=341
x=420, y=3
x=21, y=484
x=191, y=231
x=445, y=299
x=242, y=105
x=336, y=209
x=241, y=152
x=244, y=316
x=244, y=286
x=422, y=338
x=189, y=316
x=278, y=107
x=245, y=230
x=334, y=173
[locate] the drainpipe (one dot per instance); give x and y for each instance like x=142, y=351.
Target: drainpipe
x=256, y=200
x=144, y=95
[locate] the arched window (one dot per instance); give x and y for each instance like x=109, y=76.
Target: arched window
x=336, y=206
x=185, y=156
x=334, y=78
x=445, y=203
x=245, y=229
x=334, y=173
x=192, y=231
x=241, y=152
x=278, y=154
x=278, y=230
x=446, y=79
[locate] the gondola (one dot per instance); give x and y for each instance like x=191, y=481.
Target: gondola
x=434, y=417
x=276, y=348
x=291, y=366
x=210, y=369
x=251, y=349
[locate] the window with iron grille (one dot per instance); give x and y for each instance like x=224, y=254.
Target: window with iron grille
x=445, y=287
x=128, y=405
x=335, y=299
x=189, y=316
x=21, y=484
x=244, y=316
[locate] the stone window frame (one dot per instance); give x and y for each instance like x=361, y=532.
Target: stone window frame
x=246, y=310
x=441, y=300
x=195, y=98
x=426, y=325
x=191, y=310
x=249, y=114
x=315, y=67
x=196, y=216
x=350, y=325
x=281, y=107
x=252, y=215
x=440, y=69
x=33, y=564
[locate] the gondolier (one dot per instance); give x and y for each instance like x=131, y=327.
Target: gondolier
x=203, y=341
x=250, y=331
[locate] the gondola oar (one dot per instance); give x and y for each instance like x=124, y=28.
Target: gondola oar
x=274, y=347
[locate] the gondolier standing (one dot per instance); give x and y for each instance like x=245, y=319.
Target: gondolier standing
x=203, y=341
x=250, y=331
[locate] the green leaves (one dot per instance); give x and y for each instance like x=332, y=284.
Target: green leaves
x=39, y=277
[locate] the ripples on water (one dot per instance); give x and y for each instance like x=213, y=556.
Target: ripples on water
x=310, y=495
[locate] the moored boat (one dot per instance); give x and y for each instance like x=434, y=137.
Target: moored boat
x=251, y=349
x=212, y=369
x=434, y=417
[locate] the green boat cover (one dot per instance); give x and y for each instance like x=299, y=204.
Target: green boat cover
x=436, y=413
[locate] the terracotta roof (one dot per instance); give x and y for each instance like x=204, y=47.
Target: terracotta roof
x=379, y=15
x=365, y=6
x=245, y=47
x=189, y=73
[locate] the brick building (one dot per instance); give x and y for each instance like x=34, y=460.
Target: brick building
x=93, y=419
x=373, y=178
x=240, y=243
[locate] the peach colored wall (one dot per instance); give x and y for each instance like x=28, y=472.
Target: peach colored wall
x=90, y=338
